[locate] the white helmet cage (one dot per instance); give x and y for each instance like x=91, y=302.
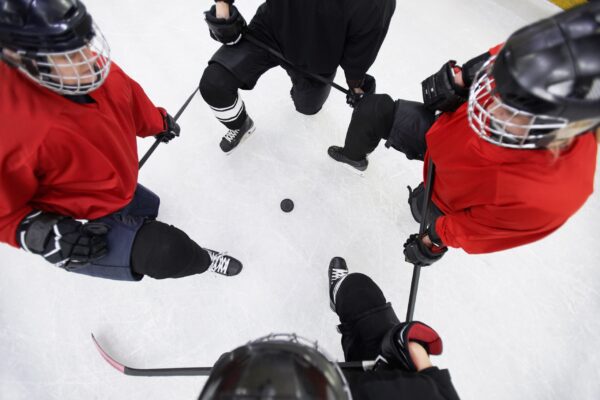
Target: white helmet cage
x=74, y=72
x=503, y=125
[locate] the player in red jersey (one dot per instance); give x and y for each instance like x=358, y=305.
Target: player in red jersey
x=515, y=161
x=68, y=152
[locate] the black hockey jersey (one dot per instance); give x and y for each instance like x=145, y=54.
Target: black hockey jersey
x=429, y=384
x=320, y=35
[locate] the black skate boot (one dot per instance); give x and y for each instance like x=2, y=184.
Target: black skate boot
x=223, y=264
x=358, y=167
x=235, y=136
x=337, y=272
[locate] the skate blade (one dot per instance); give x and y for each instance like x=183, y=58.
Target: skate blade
x=250, y=132
x=354, y=170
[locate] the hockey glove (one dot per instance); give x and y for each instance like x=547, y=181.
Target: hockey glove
x=394, y=346
x=418, y=254
x=61, y=240
x=227, y=31
x=440, y=91
x=472, y=67
x=171, y=127
x=368, y=87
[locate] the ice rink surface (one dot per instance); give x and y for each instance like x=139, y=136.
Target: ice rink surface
x=519, y=324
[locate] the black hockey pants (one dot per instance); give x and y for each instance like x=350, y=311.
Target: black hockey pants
x=239, y=67
x=403, y=124
x=139, y=245
x=365, y=317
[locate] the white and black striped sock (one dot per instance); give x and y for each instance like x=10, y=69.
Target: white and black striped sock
x=233, y=116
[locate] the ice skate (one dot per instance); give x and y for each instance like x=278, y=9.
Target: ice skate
x=221, y=263
x=235, y=136
x=338, y=271
x=358, y=167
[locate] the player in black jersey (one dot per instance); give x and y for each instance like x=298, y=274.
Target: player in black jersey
x=314, y=35
x=287, y=366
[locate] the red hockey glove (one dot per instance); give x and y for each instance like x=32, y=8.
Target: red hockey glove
x=394, y=346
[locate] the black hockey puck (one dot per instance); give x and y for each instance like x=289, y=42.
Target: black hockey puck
x=287, y=205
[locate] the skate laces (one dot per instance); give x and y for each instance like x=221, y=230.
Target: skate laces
x=219, y=263
x=337, y=277
x=338, y=273
x=231, y=135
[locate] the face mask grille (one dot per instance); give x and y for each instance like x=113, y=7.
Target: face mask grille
x=503, y=125
x=73, y=72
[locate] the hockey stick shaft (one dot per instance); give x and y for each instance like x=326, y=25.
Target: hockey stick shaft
x=158, y=141
x=194, y=371
x=414, y=286
x=280, y=56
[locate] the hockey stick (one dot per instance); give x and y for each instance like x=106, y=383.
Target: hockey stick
x=195, y=371
x=158, y=141
x=277, y=54
x=414, y=286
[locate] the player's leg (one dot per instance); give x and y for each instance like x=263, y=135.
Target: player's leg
x=232, y=68
x=371, y=121
x=411, y=123
x=124, y=225
x=164, y=251
x=309, y=95
x=138, y=245
x=364, y=313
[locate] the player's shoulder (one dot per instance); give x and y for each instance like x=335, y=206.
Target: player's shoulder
x=117, y=80
x=26, y=108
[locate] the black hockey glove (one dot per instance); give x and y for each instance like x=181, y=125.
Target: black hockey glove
x=368, y=87
x=440, y=91
x=416, y=253
x=394, y=346
x=61, y=240
x=227, y=31
x=171, y=127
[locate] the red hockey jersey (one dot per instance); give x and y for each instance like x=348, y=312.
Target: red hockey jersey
x=73, y=159
x=496, y=198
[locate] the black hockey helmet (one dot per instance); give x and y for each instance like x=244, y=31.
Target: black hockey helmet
x=46, y=26
x=548, y=74
x=553, y=67
x=276, y=367
x=54, y=43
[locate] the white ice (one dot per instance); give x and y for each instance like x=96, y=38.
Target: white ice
x=519, y=324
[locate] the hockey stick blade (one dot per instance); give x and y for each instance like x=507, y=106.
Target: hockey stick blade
x=197, y=371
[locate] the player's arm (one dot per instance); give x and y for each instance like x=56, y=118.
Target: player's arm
x=485, y=229
x=366, y=33
x=408, y=346
x=59, y=239
x=18, y=185
x=149, y=119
